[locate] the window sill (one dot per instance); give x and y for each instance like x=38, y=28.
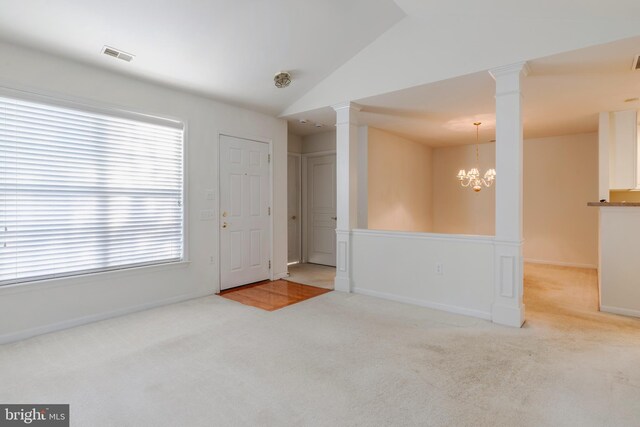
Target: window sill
x=81, y=279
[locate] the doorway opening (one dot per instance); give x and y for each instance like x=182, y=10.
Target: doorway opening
x=312, y=209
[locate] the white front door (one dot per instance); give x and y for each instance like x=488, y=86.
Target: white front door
x=293, y=207
x=245, y=239
x=321, y=209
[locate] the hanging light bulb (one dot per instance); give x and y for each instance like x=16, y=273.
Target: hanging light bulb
x=472, y=178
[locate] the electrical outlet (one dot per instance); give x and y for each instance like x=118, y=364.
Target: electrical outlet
x=439, y=269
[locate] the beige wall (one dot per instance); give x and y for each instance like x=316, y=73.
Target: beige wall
x=458, y=210
x=325, y=141
x=294, y=143
x=399, y=181
x=560, y=177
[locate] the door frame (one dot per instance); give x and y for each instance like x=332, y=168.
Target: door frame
x=269, y=143
x=304, y=201
x=300, y=204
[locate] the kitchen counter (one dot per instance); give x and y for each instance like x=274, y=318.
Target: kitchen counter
x=615, y=204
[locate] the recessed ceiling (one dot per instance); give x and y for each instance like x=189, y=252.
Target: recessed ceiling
x=229, y=50
x=562, y=95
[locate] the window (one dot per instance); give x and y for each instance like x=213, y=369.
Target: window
x=82, y=191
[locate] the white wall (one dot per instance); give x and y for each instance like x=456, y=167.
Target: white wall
x=403, y=267
x=42, y=306
x=399, y=183
x=314, y=143
x=560, y=178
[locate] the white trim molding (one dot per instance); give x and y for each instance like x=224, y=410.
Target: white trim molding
x=621, y=311
x=318, y=153
x=423, y=303
x=422, y=235
x=78, y=321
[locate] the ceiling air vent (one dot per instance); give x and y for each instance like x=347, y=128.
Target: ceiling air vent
x=636, y=63
x=107, y=50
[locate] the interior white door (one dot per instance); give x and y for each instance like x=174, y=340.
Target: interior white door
x=321, y=209
x=245, y=239
x=293, y=208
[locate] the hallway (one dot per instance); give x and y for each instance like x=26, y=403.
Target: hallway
x=566, y=298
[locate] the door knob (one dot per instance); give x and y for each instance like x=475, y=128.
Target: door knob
x=224, y=214
x=293, y=217
x=334, y=217
x=225, y=225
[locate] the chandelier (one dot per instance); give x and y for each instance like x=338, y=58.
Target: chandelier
x=472, y=178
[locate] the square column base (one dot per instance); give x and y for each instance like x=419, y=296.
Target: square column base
x=508, y=316
x=342, y=284
x=343, y=261
x=508, y=308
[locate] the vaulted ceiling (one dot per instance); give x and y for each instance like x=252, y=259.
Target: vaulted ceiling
x=417, y=66
x=226, y=49
x=562, y=94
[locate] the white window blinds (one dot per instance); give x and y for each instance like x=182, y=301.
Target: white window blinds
x=83, y=192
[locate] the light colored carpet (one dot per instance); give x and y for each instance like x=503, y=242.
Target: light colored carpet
x=339, y=360
x=321, y=276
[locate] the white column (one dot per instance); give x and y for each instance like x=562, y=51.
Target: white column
x=508, y=308
x=347, y=190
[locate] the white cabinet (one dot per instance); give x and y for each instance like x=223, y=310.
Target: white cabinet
x=624, y=173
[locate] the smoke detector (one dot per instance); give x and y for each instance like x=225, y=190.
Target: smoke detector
x=282, y=79
x=116, y=53
x=636, y=63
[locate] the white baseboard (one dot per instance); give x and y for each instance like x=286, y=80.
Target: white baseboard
x=622, y=311
x=560, y=263
x=279, y=276
x=422, y=303
x=66, y=324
